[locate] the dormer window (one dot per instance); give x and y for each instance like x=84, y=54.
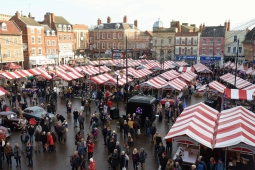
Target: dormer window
x=59, y=27
x=117, y=26
x=48, y=32
x=52, y=32
x=64, y=27
x=69, y=27
x=4, y=26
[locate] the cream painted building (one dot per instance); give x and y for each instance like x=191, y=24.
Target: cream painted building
x=4, y=17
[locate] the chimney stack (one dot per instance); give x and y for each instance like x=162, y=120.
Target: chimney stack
x=203, y=26
x=98, y=21
x=52, y=17
x=17, y=14
x=194, y=29
x=200, y=28
x=30, y=15
x=136, y=23
x=178, y=26
x=109, y=20
x=125, y=19
x=228, y=25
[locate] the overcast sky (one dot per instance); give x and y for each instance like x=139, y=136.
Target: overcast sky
x=212, y=13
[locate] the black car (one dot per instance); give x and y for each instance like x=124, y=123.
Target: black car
x=36, y=112
x=10, y=120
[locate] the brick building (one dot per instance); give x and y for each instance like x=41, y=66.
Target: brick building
x=108, y=39
x=33, y=40
x=186, y=43
x=10, y=43
x=66, y=38
x=81, y=33
x=211, y=45
x=249, y=46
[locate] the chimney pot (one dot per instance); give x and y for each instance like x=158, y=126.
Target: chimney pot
x=109, y=20
x=228, y=25
x=203, y=26
x=136, y=23
x=98, y=21
x=125, y=19
x=52, y=17
x=17, y=14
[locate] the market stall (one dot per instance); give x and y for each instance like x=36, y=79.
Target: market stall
x=240, y=83
x=185, y=69
x=170, y=75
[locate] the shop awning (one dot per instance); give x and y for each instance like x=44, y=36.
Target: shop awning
x=217, y=86
x=240, y=83
x=3, y=91
x=170, y=75
x=11, y=66
x=40, y=71
x=238, y=94
x=23, y=73
x=181, y=63
x=155, y=82
x=252, y=88
x=235, y=126
x=10, y=75
x=184, y=69
x=198, y=122
x=102, y=78
x=176, y=84
x=188, y=77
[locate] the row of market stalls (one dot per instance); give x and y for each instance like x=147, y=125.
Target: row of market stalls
x=232, y=130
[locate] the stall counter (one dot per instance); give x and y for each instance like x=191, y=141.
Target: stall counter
x=191, y=159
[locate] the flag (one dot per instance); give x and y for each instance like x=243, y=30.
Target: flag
x=184, y=103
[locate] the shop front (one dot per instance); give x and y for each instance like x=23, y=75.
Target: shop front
x=188, y=59
x=35, y=61
x=52, y=59
x=211, y=60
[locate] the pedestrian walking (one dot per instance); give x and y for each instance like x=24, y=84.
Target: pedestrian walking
x=50, y=142
x=38, y=139
x=142, y=156
x=81, y=120
x=90, y=146
x=75, y=161
x=122, y=160
x=29, y=151
x=92, y=164
x=147, y=125
x=24, y=139
x=135, y=159
x=115, y=160
x=8, y=153
x=75, y=117
x=17, y=154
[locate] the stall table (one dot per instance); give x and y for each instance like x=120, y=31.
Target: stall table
x=191, y=159
x=164, y=100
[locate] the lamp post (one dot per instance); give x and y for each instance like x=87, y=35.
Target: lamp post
x=99, y=27
x=161, y=54
x=1, y=57
x=126, y=72
x=237, y=50
x=207, y=90
x=213, y=44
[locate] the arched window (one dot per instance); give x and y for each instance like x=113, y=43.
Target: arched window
x=114, y=45
x=64, y=27
x=59, y=27
x=119, y=45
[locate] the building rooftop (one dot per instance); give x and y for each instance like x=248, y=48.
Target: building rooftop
x=249, y=36
x=11, y=28
x=60, y=20
x=158, y=24
x=209, y=31
x=117, y=26
x=80, y=27
x=29, y=21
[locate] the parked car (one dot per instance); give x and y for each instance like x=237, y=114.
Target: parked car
x=35, y=112
x=6, y=131
x=9, y=119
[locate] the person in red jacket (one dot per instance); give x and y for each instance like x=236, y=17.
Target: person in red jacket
x=90, y=146
x=92, y=164
x=109, y=104
x=50, y=142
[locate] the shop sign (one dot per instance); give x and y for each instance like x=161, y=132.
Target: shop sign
x=109, y=83
x=177, y=57
x=242, y=148
x=210, y=58
x=185, y=140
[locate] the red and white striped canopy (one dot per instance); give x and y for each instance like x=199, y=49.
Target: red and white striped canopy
x=198, y=122
x=181, y=63
x=168, y=65
x=200, y=68
x=10, y=75
x=252, y=88
x=3, y=91
x=24, y=73
x=249, y=71
x=184, y=69
x=170, y=75
x=94, y=63
x=175, y=84
x=235, y=126
x=40, y=71
x=227, y=64
x=217, y=86
x=240, y=83
x=103, y=69
x=155, y=82
x=238, y=94
x=102, y=78
x=187, y=76
x=91, y=71
x=201, y=88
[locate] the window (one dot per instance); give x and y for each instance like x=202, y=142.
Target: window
x=33, y=40
x=177, y=41
x=7, y=40
x=108, y=35
x=48, y=51
x=169, y=41
x=234, y=49
x=211, y=52
x=177, y=50
x=203, y=51
x=229, y=49
x=194, y=41
x=48, y=42
x=114, y=35
x=183, y=41
x=188, y=51
x=103, y=46
x=59, y=27
x=183, y=50
x=218, y=52
x=48, y=32
x=211, y=40
x=39, y=40
x=64, y=27
x=114, y=45
x=240, y=49
x=8, y=53
x=64, y=37
x=102, y=35
x=219, y=41
x=16, y=53
x=52, y=32
x=90, y=39
x=69, y=28
x=15, y=40
x=69, y=37
x=39, y=31
x=32, y=30
x=119, y=45
x=33, y=51
x=98, y=45
x=120, y=35
x=4, y=26
x=194, y=52
x=53, y=51
x=204, y=41
x=39, y=51
x=53, y=42
x=98, y=35
x=108, y=45
x=189, y=41
x=60, y=37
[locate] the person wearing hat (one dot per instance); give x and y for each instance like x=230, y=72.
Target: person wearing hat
x=220, y=165
x=92, y=164
x=163, y=161
x=201, y=164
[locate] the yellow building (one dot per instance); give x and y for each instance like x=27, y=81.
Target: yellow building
x=11, y=48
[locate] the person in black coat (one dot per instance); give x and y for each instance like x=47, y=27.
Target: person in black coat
x=29, y=151
x=125, y=129
x=153, y=130
x=104, y=132
x=60, y=118
x=44, y=140
x=111, y=146
x=115, y=159
x=123, y=160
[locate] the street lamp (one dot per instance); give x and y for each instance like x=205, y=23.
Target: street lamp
x=207, y=90
x=117, y=76
x=101, y=26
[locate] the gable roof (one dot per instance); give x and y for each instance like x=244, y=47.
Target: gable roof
x=80, y=26
x=29, y=21
x=60, y=20
x=250, y=36
x=122, y=26
x=209, y=31
x=11, y=28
